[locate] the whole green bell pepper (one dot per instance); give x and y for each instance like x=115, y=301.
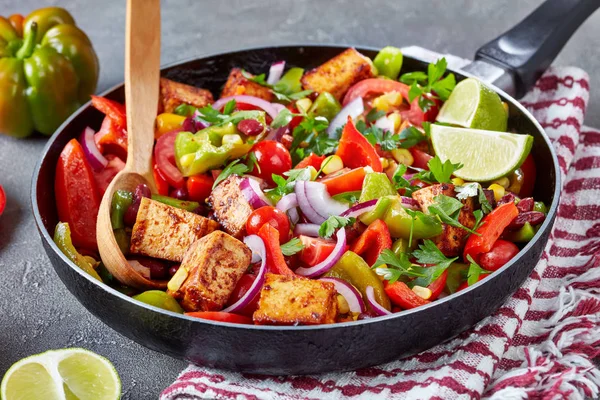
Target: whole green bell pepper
x=62, y=238
x=45, y=74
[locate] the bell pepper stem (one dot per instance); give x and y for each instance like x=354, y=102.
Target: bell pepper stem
x=29, y=44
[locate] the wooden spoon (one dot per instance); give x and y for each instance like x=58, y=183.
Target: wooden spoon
x=142, y=73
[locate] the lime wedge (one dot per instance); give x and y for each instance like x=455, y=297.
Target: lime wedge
x=473, y=105
x=485, y=155
x=62, y=374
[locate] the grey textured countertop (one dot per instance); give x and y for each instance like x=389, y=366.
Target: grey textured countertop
x=37, y=311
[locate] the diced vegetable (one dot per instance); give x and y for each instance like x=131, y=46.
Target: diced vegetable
x=389, y=62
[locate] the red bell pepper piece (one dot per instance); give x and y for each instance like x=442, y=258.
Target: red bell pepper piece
x=347, y=181
x=162, y=186
x=529, y=174
x=220, y=316
x=437, y=286
x=312, y=160
x=111, y=139
x=492, y=226
x=402, y=296
x=199, y=187
x=76, y=194
x=373, y=241
x=275, y=260
x=113, y=110
x=356, y=151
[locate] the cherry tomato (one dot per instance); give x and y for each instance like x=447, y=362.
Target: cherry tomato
x=529, y=173
x=501, y=253
x=272, y=216
x=199, y=187
x=240, y=290
x=420, y=158
x=315, y=250
x=272, y=158
x=220, y=316
x=2, y=199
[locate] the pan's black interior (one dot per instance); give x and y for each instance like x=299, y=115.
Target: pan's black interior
x=288, y=350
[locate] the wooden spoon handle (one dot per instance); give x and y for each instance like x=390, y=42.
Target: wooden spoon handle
x=142, y=74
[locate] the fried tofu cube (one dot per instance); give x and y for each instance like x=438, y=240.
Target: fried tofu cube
x=229, y=205
x=238, y=84
x=173, y=94
x=209, y=272
x=338, y=74
x=293, y=300
x=452, y=240
x=166, y=232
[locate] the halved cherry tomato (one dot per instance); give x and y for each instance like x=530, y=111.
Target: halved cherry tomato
x=501, y=253
x=272, y=216
x=529, y=174
x=240, y=290
x=111, y=139
x=315, y=250
x=104, y=177
x=2, y=199
x=373, y=241
x=346, y=181
x=76, y=194
x=356, y=151
x=162, y=186
x=199, y=187
x=312, y=160
x=437, y=286
x=465, y=284
x=220, y=316
x=402, y=296
x=275, y=260
x=492, y=226
x=113, y=110
x=420, y=158
x=272, y=158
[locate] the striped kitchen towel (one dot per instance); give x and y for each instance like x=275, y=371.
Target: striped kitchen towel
x=540, y=344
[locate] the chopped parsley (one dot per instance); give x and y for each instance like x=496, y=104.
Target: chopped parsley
x=448, y=210
x=428, y=253
x=400, y=182
x=332, y=223
x=438, y=172
x=411, y=136
x=282, y=119
x=474, y=271
x=397, y=266
x=280, y=92
x=385, y=139
x=486, y=207
x=292, y=247
x=374, y=114
x=430, y=84
x=286, y=186
x=233, y=168
x=310, y=136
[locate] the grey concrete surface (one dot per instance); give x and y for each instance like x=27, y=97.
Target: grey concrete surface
x=37, y=312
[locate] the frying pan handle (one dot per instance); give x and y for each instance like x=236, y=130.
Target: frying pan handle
x=529, y=48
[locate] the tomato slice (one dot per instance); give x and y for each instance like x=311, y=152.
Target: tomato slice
x=164, y=156
x=162, y=186
x=220, y=316
x=356, y=151
x=315, y=250
x=348, y=181
x=113, y=110
x=104, y=177
x=375, y=86
x=2, y=199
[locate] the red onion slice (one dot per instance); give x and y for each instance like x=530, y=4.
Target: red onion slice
x=252, y=192
x=410, y=203
x=321, y=201
x=97, y=161
x=255, y=244
x=275, y=72
x=294, y=215
x=288, y=204
x=359, y=209
x=385, y=124
x=311, y=230
x=140, y=269
x=330, y=261
x=378, y=308
x=305, y=206
x=164, y=155
x=353, y=109
x=352, y=296
x=242, y=98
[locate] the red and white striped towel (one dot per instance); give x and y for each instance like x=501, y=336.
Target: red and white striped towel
x=540, y=344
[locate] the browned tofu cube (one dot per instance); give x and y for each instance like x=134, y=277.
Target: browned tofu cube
x=209, y=272
x=229, y=205
x=166, y=232
x=173, y=94
x=338, y=74
x=452, y=240
x=238, y=84
x=292, y=300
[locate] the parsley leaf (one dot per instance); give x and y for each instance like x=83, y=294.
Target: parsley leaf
x=444, y=87
x=286, y=186
x=466, y=191
x=310, y=136
x=229, y=107
x=414, y=91
x=332, y=223
x=260, y=79
x=436, y=71
x=252, y=162
x=292, y=247
x=478, y=217
x=282, y=119
x=281, y=92
x=397, y=266
x=448, y=209
x=410, y=136
x=184, y=110
x=386, y=139
x=233, y=168
x=474, y=271
x=431, y=84
x=428, y=253
x=410, y=77
x=400, y=182
x=374, y=114
x=438, y=171
x=348, y=197
x=486, y=207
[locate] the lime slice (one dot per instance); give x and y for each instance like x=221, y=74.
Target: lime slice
x=67, y=374
x=485, y=155
x=473, y=105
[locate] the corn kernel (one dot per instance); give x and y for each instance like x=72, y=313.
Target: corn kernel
x=505, y=105
x=187, y=159
x=422, y=292
x=457, y=182
x=166, y=122
x=304, y=104
x=498, y=191
x=343, y=307
x=396, y=119
x=177, y=279
x=384, y=102
x=332, y=164
x=504, y=182
x=313, y=172
x=403, y=156
x=384, y=162
x=232, y=139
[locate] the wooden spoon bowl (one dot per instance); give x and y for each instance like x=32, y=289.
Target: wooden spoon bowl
x=142, y=73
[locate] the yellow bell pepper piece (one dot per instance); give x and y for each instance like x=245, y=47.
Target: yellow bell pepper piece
x=166, y=122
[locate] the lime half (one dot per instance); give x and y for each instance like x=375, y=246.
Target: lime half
x=68, y=374
x=485, y=155
x=473, y=105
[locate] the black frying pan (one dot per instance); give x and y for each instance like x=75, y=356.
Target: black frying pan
x=514, y=60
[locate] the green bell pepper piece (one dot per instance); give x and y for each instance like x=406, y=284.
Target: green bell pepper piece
x=170, y=201
x=62, y=238
x=399, y=222
x=354, y=270
x=347, y=197
x=44, y=75
x=375, y=186
x=160, y=299
x=105, y=274
x=123, y=240
x=540, y=206
x=121, y=201
x=378, y=212
x=523, y=235
x=290, y=81
x=402, y=246
x=196, y=153
x=457, y=274
x=389, y=62
x=325, y=105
